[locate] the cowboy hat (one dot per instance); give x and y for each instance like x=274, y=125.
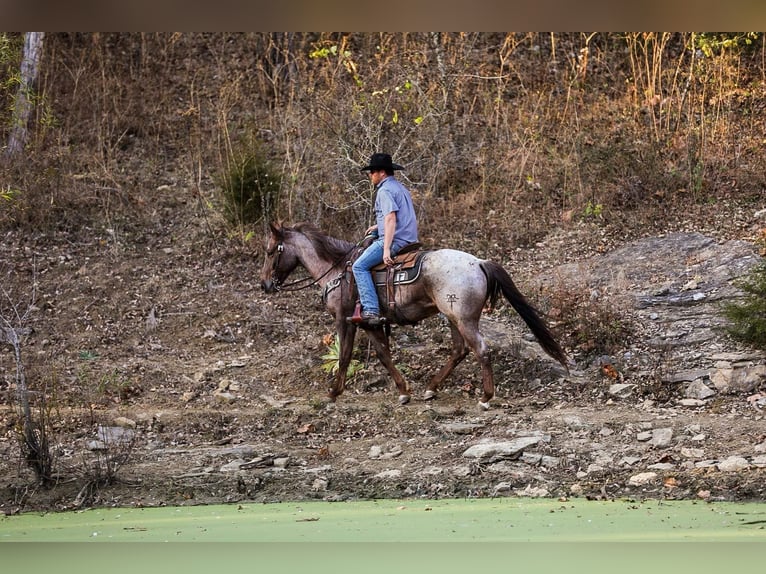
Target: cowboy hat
x=381, y=161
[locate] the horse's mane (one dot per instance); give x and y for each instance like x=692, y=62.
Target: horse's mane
x=328, y=248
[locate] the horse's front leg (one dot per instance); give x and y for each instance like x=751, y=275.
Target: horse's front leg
x=382, y=348
x=346, y=334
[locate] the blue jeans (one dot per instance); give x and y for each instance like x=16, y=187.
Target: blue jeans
x=369, y=258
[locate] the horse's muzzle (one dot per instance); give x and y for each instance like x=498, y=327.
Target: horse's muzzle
x=269, y=286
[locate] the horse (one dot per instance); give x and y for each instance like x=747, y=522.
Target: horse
x=454, y=283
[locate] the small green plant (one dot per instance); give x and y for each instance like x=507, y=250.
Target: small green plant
x=249, y=186
x=593, y=210
x=115, y=386
x=717, y=43
x=7, y=193
x=331, y=359
x=747, y=316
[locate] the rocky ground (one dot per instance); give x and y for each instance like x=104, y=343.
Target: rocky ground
x=171, y=379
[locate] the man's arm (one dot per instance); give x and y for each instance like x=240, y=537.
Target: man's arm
x=389, y=226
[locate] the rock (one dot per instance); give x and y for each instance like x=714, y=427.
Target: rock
x=232, y=466
x=375, y=451
x=662, y=466
x=759, y=461
x=642, y=478
x=500, y=450
x=276, y=403
x=115, y=435
x=621, y=390
x=733, y=464
x=550, y=461
x=319, y=484
x=386, y=474
x=462, y=471
x=698, y=390
x=393, y=453
x=644, y=436
x=125, y=422
x=224, y=397
x=533, y=492
x=662, y=437
x=531, y=458
x=691, y=403
x=743, y=380
x=573, y=422
x=686, y=376
x=692, y=452
x=502, y=487
x=461, y=428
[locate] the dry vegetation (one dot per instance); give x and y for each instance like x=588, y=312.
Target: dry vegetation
x=624, y=129
x=509, y=141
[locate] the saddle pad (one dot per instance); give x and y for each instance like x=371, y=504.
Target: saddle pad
x=406, y=268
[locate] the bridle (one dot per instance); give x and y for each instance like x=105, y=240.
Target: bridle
x=304, y=282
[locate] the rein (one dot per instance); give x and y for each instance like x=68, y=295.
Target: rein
x=305, y=282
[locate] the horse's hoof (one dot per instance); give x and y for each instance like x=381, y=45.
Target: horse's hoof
x=484, y=406
x=428, y=395
x=404, y=399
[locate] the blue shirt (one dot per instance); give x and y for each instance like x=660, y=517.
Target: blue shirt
x=393, y=196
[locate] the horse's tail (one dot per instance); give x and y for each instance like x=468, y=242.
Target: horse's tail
x=498, y=281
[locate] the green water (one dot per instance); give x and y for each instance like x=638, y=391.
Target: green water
x=483, y=520
x=393, y=537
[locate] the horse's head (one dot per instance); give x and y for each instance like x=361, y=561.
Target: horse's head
x=280, y=259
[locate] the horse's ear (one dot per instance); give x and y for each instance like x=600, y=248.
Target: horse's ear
x=276, y=229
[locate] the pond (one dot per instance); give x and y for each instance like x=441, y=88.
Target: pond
x=379, y=535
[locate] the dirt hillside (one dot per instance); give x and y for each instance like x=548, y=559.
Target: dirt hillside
x=207, y=390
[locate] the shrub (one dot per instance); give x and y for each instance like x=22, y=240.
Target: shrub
x=591, y=326
x=250, y=186
x=748, y=316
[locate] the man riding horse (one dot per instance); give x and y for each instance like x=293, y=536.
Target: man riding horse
x=395, y=226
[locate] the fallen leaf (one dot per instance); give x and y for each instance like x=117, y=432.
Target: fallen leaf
x=609, y=371
x=670, y=482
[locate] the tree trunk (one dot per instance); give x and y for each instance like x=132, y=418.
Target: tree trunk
x=24, y=104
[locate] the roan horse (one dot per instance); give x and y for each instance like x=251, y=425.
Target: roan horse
x=451, y=282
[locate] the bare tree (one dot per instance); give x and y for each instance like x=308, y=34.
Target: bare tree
x=24, y=104
x=14, y=329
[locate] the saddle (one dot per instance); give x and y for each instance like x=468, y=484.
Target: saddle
x=405, y=269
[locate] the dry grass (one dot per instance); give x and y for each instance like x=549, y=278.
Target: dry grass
x=548, y=126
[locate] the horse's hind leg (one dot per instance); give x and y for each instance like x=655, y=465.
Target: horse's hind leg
x=458, y=353
x=383, y=350
x=469, y=331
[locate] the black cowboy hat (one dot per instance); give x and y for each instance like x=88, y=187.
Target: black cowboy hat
x=381, y=161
